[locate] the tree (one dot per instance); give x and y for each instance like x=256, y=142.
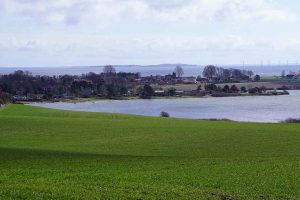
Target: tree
x=211, y=87
x=210, y=72
x=146, y=92
x=123, y=90
x=237, y=74
x=226, y=74
x=253, y=90
x=179, y=71
x=219, y=73
x=164, y=114
x=226, y=89
x=109, y=69
x=199, y=87
x=172, y=91
x=262, y=89
x=257, y=78
x=234, y=89
x=250, y=73
x=243, y=89
x=111, y=90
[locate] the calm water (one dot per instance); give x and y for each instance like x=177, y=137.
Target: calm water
x=189, y=70
x=253, y=109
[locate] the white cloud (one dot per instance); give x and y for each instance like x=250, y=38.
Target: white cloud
x=97, y=11
x=83, y=32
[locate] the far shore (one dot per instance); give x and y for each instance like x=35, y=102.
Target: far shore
x=82, y=100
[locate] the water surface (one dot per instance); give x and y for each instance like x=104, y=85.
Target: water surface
x=252, y=108
x=189, y=70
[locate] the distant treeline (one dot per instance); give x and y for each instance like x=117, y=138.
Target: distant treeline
x=109, y=84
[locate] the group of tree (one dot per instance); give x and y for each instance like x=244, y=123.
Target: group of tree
x=225, y=89
x=232, y=89
x=219, y=74
x=106, y=84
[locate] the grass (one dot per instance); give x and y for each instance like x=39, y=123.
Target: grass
x=274, y=79
x=53, y=154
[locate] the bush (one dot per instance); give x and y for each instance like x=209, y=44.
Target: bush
x=147, y=92
x=257, y=78
x=253, y=90
x=211, y=87
x=292, y=120
x=199, y=87
x=172, y=91
x=243, y=89
x=164, y=114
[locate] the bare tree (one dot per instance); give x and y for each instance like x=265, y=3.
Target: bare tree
x=109, y=69
x=250, y=73
x=179, y=71
x=226, y=74
x=219, y=73
x=210, y=71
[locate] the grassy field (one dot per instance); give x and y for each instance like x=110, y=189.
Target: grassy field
x=52, y=154
x=279, y=79
x=268, y=82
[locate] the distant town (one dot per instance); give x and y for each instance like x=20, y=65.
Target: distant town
x=214, y=81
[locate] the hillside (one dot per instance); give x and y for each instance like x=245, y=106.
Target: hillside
x=53, y=154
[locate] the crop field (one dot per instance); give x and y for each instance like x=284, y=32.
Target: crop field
x=54, y=154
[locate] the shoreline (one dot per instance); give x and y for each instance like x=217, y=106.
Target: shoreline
x=228, y=120
x=216, y=95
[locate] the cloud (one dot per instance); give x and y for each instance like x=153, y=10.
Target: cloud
x=95, y=50
x=72, y=12
x=111, y=31
x=22, y=44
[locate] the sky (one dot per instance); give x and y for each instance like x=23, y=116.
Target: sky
x=43, y=33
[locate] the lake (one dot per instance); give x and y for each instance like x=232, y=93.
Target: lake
x=246, y=109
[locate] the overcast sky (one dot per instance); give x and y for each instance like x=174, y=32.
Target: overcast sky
x=97, y=32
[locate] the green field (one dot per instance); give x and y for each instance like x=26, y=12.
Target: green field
x=52, y=154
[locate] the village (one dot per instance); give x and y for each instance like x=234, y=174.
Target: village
x=214, y=81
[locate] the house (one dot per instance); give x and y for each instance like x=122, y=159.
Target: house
x=187, y=80
x=202, y=80
x=19, y=98
x=159, y=93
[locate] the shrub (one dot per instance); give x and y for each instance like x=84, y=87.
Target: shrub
x=292, y=120
x=253, y=90
x=147, y=92
x=234, y=89
x=172, y=91
x=243, y=89
x=211, y=87
x=257, y=78
x=164, y=114
x=199, y=87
